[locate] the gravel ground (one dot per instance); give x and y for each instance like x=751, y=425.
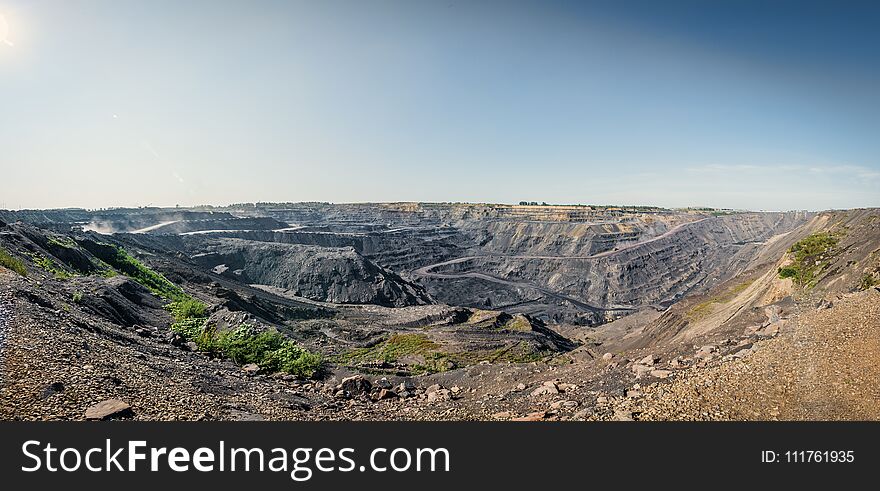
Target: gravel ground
x=822, y=366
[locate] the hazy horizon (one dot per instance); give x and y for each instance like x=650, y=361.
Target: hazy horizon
x=677, y=104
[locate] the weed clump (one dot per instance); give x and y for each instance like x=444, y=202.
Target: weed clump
x=9, y=262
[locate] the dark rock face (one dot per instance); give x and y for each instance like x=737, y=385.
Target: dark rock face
x=610, y=273
x=123, y=302
x=337, y=275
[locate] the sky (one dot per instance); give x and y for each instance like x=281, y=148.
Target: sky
x=740, y=104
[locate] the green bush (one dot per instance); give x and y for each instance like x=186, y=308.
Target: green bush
x=190, y=317
x=270, y=350
x=77, y=297
x=868, y=281
x=12, y=263
x=187, y=308
x=811, y=255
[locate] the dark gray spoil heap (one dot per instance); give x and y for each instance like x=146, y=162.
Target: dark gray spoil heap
x=337, y=275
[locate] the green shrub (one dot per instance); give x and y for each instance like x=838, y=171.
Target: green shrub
x=811, y=255
x=868, y=281
x=270, y=350
x=788, y=272
x=77, y=297
x=12, y=263
x=187, y=308
x=65, y=242
x=190, y=317
x=189, y=328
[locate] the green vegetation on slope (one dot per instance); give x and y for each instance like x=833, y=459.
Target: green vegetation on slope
x=811, y=255
x=869, y=280
x=65, y=242
x=270, y=350
x=398, y=346
x=390, y=350
x=12, y=263
x=49, y=266
x=123, y=262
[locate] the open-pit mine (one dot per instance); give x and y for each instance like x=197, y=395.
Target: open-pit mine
x=435, y=311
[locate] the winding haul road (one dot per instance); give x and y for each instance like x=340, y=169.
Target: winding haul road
x=426, y=271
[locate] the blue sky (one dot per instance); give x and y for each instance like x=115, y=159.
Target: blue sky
x=758, y=105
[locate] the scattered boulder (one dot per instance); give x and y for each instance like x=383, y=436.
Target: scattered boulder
x=250, y=368
x=633, y=393
x=705, y=352
x=383, y=394
x=355, y=385
x=547, y=388
x=564, y=404
x=770, y=330
x=608, y=356
x=108, y=409
x=641, y=370
x=650, y=360
x=565, y=387
x=406, y=389
x=439, y=395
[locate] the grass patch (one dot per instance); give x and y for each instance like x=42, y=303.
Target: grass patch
x=49, y=266
x=270, y=350
x=65, y=242
x=77, y=296
x=521, y=352
x=518, y=323
x=811, y=255
x=390, y=350
x=187, y=308
x=399, y=345
x=12, y=263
